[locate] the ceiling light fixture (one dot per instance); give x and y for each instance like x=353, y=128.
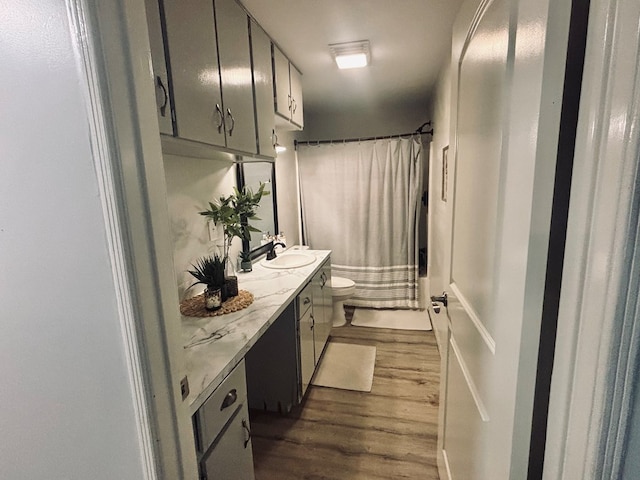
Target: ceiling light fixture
x=351, y=54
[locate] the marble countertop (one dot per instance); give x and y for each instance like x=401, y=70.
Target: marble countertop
x=214, y=345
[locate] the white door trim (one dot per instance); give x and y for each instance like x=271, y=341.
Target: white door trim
x=594, y=346
x=103, y=158
x=114, y=55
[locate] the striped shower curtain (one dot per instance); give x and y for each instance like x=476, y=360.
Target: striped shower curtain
x=361, y=201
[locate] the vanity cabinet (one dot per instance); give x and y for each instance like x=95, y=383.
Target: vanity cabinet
x=288, y=92
x=222, y=432
x=263, y=90
x=282, y=362
x=314, y=306
x=322, y=309
x=306, y=337
x=159, y=62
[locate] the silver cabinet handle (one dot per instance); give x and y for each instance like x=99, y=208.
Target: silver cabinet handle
x=295, y=105
x=220, y=117
x=165, y=96
x=289, y=101
x=233, y=122
x=248, y=431
x=229, y=400
x=274, y=138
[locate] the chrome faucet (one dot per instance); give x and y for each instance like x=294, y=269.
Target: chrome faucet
x=271, y=254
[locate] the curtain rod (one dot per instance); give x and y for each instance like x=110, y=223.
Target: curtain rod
x=418, y=131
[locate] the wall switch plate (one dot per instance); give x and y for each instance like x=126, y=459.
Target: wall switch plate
x=184, y=388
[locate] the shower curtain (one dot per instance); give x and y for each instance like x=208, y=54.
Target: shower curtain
x=361, y=200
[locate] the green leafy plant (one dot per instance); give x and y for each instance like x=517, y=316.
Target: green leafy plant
x=245, y=256
x=209, y=271
x=234, y=212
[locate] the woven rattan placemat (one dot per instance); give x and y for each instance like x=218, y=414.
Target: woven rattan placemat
x=194, y=306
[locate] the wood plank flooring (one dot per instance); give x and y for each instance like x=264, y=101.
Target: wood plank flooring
x=389, y=433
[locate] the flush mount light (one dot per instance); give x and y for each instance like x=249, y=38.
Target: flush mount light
x=351, y=54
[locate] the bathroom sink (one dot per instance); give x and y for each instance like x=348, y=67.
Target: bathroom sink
x=289, y=260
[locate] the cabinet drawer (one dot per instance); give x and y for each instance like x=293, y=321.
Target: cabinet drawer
x=220, y=406
x=305, y=299
x=232, y=457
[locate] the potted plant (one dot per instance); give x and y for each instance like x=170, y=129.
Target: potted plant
x=234, y=212
x=245, y=261
x=210, y=272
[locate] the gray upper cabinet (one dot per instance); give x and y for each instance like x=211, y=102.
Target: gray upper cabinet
x=295, y=78
x=232, y=26
x=288, y=92
x=193, y=53
x=160, y=76
x=213, y=75
x=263, y=90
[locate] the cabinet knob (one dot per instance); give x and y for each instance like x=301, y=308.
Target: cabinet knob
x=229, y=400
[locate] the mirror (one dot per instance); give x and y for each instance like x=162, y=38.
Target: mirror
x=250, y=174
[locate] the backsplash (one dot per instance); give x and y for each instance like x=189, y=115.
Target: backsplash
x=191, y=184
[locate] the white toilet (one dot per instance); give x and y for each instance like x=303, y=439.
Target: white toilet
x=341, y=289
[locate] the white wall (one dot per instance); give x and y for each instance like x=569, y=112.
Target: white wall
x=377, y=120
x=66, y=402
x=439, y=244
x=287, y=190
x=191, y=184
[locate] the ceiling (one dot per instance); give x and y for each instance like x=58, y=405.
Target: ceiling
x=410, y=41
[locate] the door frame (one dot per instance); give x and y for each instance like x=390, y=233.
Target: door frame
x=595, y=348
x=113, y=54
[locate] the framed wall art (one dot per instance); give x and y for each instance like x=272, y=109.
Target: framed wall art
x=445, y=173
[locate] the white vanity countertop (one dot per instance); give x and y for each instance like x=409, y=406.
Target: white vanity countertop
x=214, y=345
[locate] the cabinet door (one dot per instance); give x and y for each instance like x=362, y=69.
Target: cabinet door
x=296, y=96
x=232, y=26
x=307, y=356
x=321, y=311
x=281, y=79
x=232, y=457
x=194, y=70
x=160, y=76
x=263, y=90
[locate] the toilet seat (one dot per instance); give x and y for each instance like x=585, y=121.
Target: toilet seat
x=342, y=287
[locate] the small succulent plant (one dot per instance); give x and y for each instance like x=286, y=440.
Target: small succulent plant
x=209, y=271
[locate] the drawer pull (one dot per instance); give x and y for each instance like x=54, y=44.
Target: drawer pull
x=306, y=301
x=246, y=427
x=229, y=400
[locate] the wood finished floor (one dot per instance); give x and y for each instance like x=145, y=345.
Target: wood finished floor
x=389, y=433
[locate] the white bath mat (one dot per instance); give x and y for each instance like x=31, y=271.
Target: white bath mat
x=389, y=318
x=346, y=366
